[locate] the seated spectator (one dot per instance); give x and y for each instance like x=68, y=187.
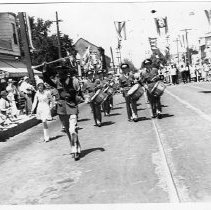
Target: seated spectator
x=12, y=97
x=5, y=110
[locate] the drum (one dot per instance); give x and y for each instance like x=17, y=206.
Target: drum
x=99, y=97
x=158, y=89
x=135, y=92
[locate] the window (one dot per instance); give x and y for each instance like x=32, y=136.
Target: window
x=14, y=34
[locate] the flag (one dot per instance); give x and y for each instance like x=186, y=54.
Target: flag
x=208, y=14
x=120, y=26
x=161, y=23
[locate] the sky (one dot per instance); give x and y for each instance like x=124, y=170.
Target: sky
x=95, y=22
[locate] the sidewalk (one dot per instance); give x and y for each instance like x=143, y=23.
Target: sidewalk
x=21, y=125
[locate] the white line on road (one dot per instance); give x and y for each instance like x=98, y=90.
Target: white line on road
x=165, y=172
x=189, y=106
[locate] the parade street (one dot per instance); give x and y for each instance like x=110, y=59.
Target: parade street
x=152, y=160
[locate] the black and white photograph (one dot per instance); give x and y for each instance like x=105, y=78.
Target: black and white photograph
x=105, y=102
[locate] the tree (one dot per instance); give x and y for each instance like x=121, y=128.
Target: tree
x=131, y=65
x=46, y=46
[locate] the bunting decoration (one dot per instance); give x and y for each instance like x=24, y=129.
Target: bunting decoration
x=153, y=43
x=161, y=23
x=208, y=14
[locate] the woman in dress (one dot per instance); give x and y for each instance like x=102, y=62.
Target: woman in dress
x=42, y=101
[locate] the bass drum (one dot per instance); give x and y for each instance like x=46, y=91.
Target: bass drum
x=99, y=97
x=135, y=92
x=158, y=89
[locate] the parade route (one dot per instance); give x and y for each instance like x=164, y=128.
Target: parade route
x=150, y=161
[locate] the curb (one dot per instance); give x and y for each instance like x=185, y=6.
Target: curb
x=10, y=132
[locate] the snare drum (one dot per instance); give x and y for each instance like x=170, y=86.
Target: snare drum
x=99, y=97
x=136, y=92
x=158, y=89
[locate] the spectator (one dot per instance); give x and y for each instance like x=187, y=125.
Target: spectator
x=12, y=97
x=27, y=90
x=4, y=108
x=173, y=72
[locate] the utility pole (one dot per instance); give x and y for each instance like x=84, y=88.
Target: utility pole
x=112, y=58
x=177, y=42
x=58, y=35
x=188, y=60
x=25, y=42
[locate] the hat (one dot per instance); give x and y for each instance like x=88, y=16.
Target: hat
x=147, y=61
x=39, y=81
x=99, y=71
x=25, y=78
x=3, y=93
x=90, y=72
x=124, y=66
x=10, y=81
x=111, y=72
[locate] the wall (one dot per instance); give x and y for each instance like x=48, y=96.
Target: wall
x=7, y=44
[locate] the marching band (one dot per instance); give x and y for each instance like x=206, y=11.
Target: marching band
x=100, y=87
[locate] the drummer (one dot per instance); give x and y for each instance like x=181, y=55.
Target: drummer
x=94, y=84
x=106, y=104
x=126, y=81
x=149, y=77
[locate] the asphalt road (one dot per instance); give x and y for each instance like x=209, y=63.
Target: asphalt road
x=151, y=161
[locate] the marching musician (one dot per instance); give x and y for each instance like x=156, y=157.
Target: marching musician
x=92, y=86
x=67, y=107
x=106, y=104
x=149, y=77
x=126, y=81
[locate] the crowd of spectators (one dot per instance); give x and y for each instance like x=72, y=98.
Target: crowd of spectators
x=174, y=74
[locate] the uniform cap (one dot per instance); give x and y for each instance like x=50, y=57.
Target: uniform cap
x=124, y=66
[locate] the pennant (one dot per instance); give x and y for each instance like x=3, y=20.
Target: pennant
x=208, y=14
x=161, y=23
x=120, y=26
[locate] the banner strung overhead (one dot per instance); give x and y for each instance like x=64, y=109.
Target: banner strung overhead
x=160, y=24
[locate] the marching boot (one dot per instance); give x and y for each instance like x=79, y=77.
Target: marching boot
x=46, y=135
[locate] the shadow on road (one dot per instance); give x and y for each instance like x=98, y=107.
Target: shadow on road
x=164, y=106
x=143, y=119
x=166, y=115
x=138, y=104
x=55, y=137
x=122, y=102
x=83, y=120
x=87, y=151
x=140, y=109
x=205, y=91
x=120, y=107
x=114, y=114
x=107, y=123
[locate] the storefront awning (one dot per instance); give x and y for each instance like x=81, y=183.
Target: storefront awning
x=15, y=69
